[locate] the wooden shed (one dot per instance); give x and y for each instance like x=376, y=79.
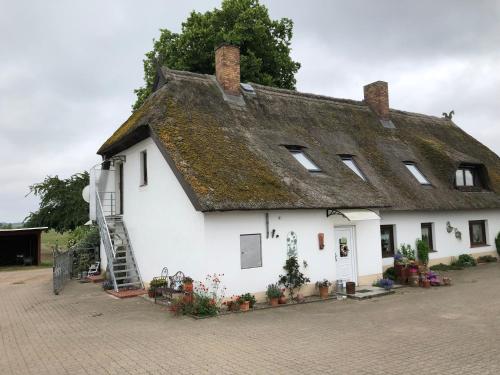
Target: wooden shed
x=20, y=246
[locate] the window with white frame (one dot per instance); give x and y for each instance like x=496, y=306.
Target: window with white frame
x=299, y=155
x=351, y=164
x=412, y=167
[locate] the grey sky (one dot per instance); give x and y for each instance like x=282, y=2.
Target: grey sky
x=68, y=70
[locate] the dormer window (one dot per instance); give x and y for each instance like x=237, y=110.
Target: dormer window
x=299, y=155
x=412, y=167
x=351, y=164
x=467, y=176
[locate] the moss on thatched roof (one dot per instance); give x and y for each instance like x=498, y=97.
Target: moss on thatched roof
x=232, y=156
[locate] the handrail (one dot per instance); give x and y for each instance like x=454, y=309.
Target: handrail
x=106, y=239
x=131, y=252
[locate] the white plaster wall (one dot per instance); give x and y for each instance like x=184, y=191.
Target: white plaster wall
x=407, y=230
x=222, y=241
x=164, y=227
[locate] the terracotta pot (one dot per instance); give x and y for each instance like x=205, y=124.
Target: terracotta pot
x=413, y=279
x=404, y=275
x=398, y=268
x=426, y=283
x=188, y=287
x=323, y=292
x=187, y=298
x=274, y=301
x=282, y=300
x=245, y=306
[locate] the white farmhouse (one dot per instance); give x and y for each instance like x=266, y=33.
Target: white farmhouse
x=214, y=176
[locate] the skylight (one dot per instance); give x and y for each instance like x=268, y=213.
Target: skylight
x=417, y=174
x=349, y=162
x=307, y=163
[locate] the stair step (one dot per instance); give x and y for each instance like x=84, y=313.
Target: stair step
x=125, y=270
x=125, y=278
x=129, y=284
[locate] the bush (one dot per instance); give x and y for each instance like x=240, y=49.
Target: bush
x=464, y=260
x=444, y=267
x=422, y=251
x=293, y=279
x=390, y=274
x=204, y=306
x=486, y=259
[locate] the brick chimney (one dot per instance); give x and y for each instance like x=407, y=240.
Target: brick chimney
x=377, y=98
x=227, y=68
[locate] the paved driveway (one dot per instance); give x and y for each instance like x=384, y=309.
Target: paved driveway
x=84, y=331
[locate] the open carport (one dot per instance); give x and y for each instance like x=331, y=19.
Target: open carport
x=20, y=246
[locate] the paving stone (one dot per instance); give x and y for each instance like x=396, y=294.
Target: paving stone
x=446, y=330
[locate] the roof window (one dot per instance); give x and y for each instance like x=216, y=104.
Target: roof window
x=351, y=164
x=298, y=153
x=416, y=173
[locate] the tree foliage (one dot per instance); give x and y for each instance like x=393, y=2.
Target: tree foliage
x=62, y=207
x=264, y=45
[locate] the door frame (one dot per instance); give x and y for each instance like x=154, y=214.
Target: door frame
x=354, y=258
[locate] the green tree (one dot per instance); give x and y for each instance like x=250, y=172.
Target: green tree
x=62, y=207
x=264, y=46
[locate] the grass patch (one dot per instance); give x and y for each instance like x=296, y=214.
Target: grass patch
x=445, y=267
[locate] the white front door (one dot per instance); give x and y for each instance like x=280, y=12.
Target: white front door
x=345, y=254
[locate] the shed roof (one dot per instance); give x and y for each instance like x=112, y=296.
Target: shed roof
x=230, y=155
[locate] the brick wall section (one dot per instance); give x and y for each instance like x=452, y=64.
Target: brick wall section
x=227, y=68
x=377, y=98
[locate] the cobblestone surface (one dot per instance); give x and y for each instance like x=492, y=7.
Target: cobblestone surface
x=444, y=330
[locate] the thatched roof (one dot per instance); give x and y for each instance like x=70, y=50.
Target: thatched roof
x=229, y=155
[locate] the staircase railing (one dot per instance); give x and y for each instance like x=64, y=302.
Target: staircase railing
x=106, y=239
x=131, y=253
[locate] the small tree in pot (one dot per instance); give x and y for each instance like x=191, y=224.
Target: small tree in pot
x=293, y=279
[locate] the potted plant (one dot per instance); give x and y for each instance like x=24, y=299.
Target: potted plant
x=244, y=304
x=273, y=294
x=422, y=252
x=282, y=299
x=323, y=286
x=151, y=292
x=248, y=297
x=293, y=279
x=187, y=284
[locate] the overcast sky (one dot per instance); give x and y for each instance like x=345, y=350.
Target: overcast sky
x=68, y=70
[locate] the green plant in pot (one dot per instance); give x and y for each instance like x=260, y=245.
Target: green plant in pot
x=422, y=251
x=293, y=279
x=246, y=301
x=273, y=294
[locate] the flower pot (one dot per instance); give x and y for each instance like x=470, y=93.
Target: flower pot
x=188, y=287
x=323, y=292
x=245, y=306
x=282, y=300
x=413, y=278
x=274, y=301
x=187, y=298
x=426, y=283
x=398, y=269
x=404, y=275
x=350, y=287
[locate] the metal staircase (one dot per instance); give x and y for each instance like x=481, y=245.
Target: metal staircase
x=122, y=265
